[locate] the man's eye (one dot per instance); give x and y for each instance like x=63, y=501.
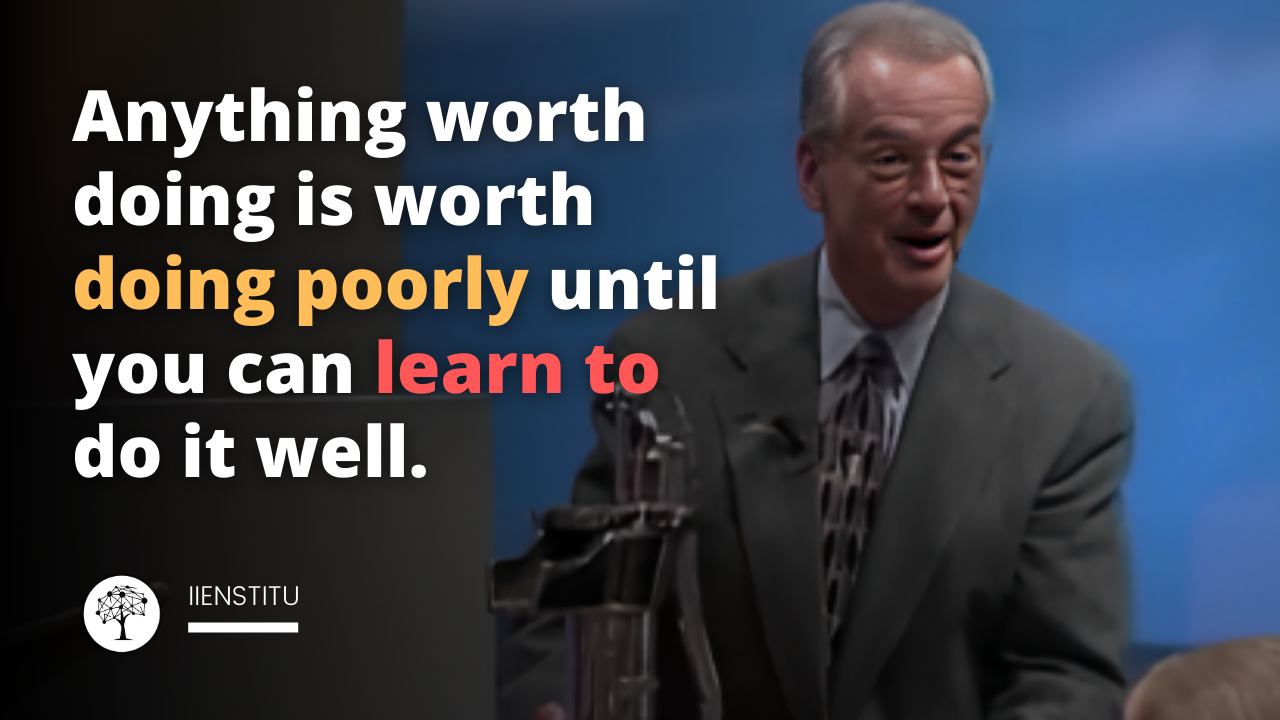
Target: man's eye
x=887, y=160
x=961, y=157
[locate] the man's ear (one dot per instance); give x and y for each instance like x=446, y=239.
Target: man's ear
x=807, y=177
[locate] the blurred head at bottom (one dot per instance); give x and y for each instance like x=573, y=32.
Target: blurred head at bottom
x=1236, y=680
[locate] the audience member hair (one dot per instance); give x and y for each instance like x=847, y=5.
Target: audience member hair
x=1236, y=680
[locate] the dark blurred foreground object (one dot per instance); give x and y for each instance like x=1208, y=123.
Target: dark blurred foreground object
x=626, y=578
x=1236, y=680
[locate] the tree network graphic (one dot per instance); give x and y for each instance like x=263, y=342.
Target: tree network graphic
x=119, y=603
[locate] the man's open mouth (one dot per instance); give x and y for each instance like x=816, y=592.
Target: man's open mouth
x=924, y=242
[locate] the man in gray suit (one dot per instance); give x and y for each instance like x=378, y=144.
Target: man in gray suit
x=972, y=561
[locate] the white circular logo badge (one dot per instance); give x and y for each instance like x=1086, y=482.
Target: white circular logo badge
x=121, y=613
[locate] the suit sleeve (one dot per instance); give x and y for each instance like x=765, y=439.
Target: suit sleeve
x=531, y=662
x=1066, y=626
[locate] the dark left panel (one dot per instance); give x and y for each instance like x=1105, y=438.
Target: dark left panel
x=63, y=531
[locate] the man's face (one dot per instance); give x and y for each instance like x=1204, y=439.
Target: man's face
x=898, y=185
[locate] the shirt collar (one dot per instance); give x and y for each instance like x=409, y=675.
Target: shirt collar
x=842, y=328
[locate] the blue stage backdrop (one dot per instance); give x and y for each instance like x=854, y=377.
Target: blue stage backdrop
x=1132, y=194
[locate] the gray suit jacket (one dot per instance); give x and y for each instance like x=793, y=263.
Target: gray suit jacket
x=995, y=582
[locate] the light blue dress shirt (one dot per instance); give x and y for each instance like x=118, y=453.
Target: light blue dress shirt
x=841, y=328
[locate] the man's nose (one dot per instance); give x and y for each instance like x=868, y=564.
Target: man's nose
x=928, y=193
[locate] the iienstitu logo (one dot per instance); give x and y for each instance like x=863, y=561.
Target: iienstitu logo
x=121, y=613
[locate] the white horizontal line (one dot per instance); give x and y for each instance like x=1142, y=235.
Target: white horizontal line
x=242, y=627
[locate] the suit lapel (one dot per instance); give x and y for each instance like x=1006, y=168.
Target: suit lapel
x=956, y=416
x=767, y=412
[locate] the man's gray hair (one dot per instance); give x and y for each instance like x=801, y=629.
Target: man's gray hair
x=903, y=30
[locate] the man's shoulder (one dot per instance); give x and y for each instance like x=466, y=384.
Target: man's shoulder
x=1036, y=342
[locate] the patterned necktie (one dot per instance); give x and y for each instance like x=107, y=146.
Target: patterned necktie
x=857, y=418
